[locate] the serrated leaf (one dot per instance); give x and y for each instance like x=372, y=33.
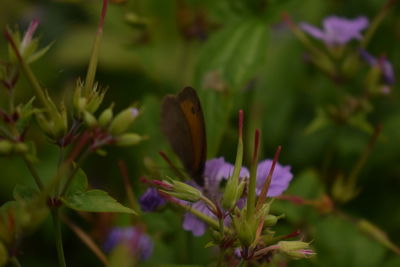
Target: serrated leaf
x=94, y=201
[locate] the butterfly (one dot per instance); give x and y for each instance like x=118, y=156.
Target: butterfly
x=182, y=122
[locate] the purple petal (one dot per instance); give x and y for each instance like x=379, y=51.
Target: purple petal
x=151, y=200
x=337, y=30
x=368, y=57
x=215, y=171
x=387, y=72
x=194, y=224
x=383, y=64
x=280, y=178
x=341, y=30
x=313, y=31
x=138, y=242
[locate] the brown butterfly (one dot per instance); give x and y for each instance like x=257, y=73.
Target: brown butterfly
x=182, y=122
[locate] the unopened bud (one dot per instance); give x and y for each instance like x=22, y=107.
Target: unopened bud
x=129, y=139
x=296, y=249
x=89, y=119
x=184, y=191
x=106, y=117
x=233, y=191
x=270, y=220
x=21, y=148
x=246, y=230
x=6, y=147
x=123, y=120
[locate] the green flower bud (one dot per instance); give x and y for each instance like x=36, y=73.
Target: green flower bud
x=184, y=191
x=296, y=249
x=233, y=191
x=123, y=120
x=270, y=220
x=128, y=139
x=21, y=148
x=246, y=230
x=6, y=147
x=89, y=119
x=106, y=117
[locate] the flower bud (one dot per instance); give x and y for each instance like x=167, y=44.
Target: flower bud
x=129, y=139
x=6, y=147
x=123, y=120
x=246, y=230
x=184, y=191
x=233, y=191
x=106, y=117
x=21, y=148
x=89, y=119
x=270, y=220
x=296, y=249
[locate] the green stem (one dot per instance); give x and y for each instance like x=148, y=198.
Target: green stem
x=15, y=262
x=33, y=172
x=251, y=197
x=91, y=72
x=59, y=244
x=60, y=161
x=28, y=72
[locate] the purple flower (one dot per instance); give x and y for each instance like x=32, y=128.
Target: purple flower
x=136, y=240
x=383, y=64
x=151, y=200
x=337, y=30
x=280, y=178
x=217, y=170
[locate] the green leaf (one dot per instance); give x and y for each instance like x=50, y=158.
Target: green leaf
x=79, y=183
x=24, y=192
x=94, y=201
x=236, y=52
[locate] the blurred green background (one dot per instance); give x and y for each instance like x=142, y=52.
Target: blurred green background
x=154, y=47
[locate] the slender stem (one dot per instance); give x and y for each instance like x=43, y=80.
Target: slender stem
x=91, y=72
x=87, y=240
x=251, y=197
x=28, y=72
x=59, y=244
x=33, y=172
x=15, y=262
x=60, y=161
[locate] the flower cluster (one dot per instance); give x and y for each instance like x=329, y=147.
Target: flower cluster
x=233, y=202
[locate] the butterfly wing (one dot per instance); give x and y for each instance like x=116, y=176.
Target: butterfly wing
x=182, y=122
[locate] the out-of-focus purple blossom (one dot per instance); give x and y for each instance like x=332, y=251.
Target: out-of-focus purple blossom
x=383, y=64
x=151, y=200
x=337, y=30
x=215, y=171
x=139, y=244
x=280, y=178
